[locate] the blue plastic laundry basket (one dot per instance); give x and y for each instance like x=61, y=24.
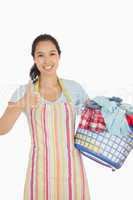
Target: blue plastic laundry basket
x=104, y=148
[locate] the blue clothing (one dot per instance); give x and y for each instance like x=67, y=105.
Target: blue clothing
x=92, y=104
x=114, y=116
x=116, y=99
x=131, y=128
x=127, y=107
x=77, y=92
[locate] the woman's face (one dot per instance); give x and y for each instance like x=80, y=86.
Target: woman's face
x=46, y=57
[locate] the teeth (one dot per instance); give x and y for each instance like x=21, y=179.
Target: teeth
x=48, y=67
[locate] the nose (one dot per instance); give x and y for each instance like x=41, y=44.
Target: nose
x=46, y=60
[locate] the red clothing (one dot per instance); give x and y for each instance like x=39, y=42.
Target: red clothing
x=92, y=119
x=130, y=119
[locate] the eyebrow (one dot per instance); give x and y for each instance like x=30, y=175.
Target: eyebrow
x=43, y=52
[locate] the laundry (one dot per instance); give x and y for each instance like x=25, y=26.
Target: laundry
x=92, y=104
x=118, y=100
x=130, y=119
x=92, y=120
x=114, y=98
x=114, y=116
x=131, y=128
x=127, y=107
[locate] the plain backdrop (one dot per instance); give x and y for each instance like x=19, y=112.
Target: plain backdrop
x=96, y=39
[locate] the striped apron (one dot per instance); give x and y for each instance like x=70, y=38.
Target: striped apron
x=55, y=168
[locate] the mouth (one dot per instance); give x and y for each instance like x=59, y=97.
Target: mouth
x=49, y=67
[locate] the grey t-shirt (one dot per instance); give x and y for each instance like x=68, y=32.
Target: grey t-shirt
x=76, y=91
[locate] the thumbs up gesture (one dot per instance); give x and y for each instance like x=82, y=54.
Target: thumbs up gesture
x=30, y=99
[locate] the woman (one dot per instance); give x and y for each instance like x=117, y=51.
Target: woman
x=55, y=169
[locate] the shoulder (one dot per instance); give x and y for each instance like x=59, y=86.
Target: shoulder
x=72, y=84
x=76, y=90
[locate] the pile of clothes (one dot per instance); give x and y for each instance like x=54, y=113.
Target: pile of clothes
x=107, y=114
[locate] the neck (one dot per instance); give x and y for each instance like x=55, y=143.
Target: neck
x=48, y=81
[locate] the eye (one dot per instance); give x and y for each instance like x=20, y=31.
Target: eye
x=52, y=54
x=40, y=55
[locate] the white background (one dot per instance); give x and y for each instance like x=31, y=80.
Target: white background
x=96, y=39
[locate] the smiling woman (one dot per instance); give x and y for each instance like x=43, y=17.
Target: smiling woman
x=55, y=169
x=46, y=55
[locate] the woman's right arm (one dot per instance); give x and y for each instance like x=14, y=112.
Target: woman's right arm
x=14, y=109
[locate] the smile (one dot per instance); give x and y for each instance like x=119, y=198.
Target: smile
x=48, y=67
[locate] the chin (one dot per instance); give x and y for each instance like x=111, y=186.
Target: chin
x=48, y=73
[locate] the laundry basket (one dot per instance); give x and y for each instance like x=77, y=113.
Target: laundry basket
x=94, y=141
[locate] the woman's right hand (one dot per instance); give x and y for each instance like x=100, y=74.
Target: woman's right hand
x=30, y=99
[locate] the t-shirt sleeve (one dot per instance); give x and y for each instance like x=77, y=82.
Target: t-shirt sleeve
x=18, y=93
x=78, y=94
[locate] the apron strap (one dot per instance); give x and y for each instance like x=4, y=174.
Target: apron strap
x=65, y=91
